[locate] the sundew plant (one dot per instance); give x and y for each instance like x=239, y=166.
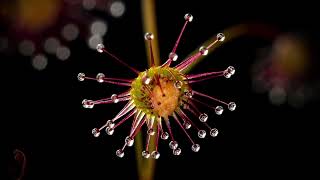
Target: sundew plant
x=160, y=96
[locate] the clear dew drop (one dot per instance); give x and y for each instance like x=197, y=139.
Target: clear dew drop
x=195, y=147
x=177, y=151
x=232, y=106
x=110, y=123
x=214, y=132
x=151, y=132
x=188, y=93
x=119, y=153
x=226, y=74
x=100, y=77
x=100, y=48
x=164, y=135
x=145, y=154
x=188, y=17
x=219, y=110
x=155, y=155
x=202, y=133
x=81, y=77
x=186, y=125
x=173, y=56
x=221, y=37
x=129, y=141
x=87, y=103
x=173, y=144
x=146, y=80
x=231, y=70
x=203, y=117
x=114, y=98
x=148, y=36
x=109, y=131
x=178, y=84
x=95, y=132
x=203, y=50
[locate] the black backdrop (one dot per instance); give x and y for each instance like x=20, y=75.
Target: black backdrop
x=42, y=112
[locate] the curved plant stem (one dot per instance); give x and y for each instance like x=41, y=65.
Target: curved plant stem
x=150, y=25
x=146, y=166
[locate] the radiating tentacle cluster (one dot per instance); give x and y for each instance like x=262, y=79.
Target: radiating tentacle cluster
x=159, y=96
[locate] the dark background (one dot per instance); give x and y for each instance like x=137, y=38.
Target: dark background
x=42, y=112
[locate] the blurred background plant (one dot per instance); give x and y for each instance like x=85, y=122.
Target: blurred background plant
x=43, y=29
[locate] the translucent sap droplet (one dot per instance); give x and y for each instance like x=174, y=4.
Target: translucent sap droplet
x=148, y=36
x=186, y=125
x=95, y=132
x=173, y=144
x=226, y=74
x=145, y=154
x=178, y=84
x=129, y=141
x=232, y=106
x=203, y=117
x=81, y=76
x=177, y=151
x=214, y=132
x=110, y=123
x=155, y=154
x=87, y=103
x=119, y=153
x=221, y=37
x=173, y=56
x=219, y=110
x=100, y=48
x=195, y=147
x=202, y=133
x=151, y=131
x=114, y=98
x=188, y=94
x=231, y=70
x=203, y=50
x=188, y=17
x=109, y=131
x=146, y=80
x=164, y=136
x=100, y=77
